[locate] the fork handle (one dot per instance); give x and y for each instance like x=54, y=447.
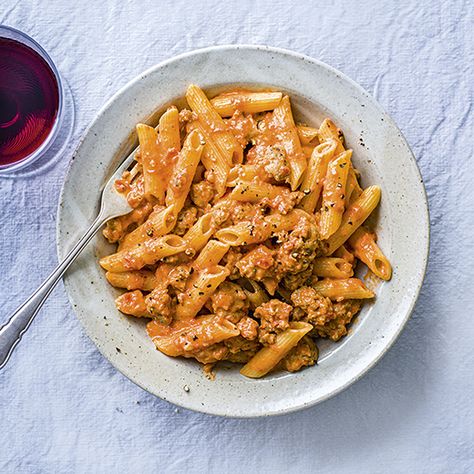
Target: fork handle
x=12, y=332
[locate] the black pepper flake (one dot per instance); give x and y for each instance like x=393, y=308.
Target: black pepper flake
x=209, y=285
x=201, y=293
x=118, y=350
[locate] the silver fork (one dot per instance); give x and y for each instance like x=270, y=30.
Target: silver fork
x=112, y=204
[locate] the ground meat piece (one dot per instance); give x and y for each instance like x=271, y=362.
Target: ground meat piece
x=229, y=301
x=239, y=344
x=343, y=313
x=229, y=261
x=285, y=201
x=317, y=309
x=160, y=304
x=202, y=193
x=304, y=354
x=210, y=354
x=186, y=219
x=242, y=126
x=244, y=211
x=257, y=264
x=272, y=159
x=186, y=116
x=329, y=319
x=297, y=280
x=274, y=318
x=178, y=277
x=248, y=328
x=299, y=249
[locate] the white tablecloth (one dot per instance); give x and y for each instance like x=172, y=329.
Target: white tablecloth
x=63, y=408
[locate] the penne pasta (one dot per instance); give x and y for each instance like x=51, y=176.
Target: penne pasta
x=159, y=222
x=183, y=174
x=284, y=126
x=306, y=134
x=366, y=249
x=211, y=255
x=329, y=131
x=198, y=235
x=268, y=357
x=134, y=280
x=147, y=253
x=332, y=267
x=315, y=173
x=191, y=336
x=198, y=290
x=354, y=217
x=349, y=288
x=228, y=149
x=256, y=191
x=168, y=127
x=334, y=189
x=240, y=173
x=245, y=101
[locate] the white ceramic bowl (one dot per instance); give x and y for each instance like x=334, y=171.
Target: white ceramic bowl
x=380, y=153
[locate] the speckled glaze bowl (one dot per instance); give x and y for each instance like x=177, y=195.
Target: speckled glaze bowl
x=380, y=153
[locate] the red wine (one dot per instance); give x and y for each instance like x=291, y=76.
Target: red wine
x=29, y=101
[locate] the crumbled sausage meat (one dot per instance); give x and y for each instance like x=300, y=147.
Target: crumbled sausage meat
x=304, y=354
x=299, y=249
x=202, y=193
x=274, y=318
x=248, y=328
x=257, y=264
x=160, y=304
x=186, y=218
x=329, y=319
x=230, y=302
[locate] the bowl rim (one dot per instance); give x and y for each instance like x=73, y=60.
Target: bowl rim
x=424, y=252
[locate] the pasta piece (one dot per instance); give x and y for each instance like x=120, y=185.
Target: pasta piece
x=168, y=127
x=214, y=127
x=213, y=160
x=191, y=336
x=284, y=126
x=117, y=227
x=366, y=249
x=306, y=134
x=268, y=357
x=198, y=235
x=134, y=280
x=147, y=253
x=332, y=206
x=211, y=255
x=241, y=173
x=151, y=155
x=314, y=175
x=255, y=192
x=354, y=217
x=254, y=292
x=342, y=252
x=159, y=222
x=350, y=288
x=199, y=289
x=184, y=171
x=245, y=101
x=353, y=190
x=332, y=267
x=308, y=150
x=133, y=304
x=327, y=131
x=244, y=233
